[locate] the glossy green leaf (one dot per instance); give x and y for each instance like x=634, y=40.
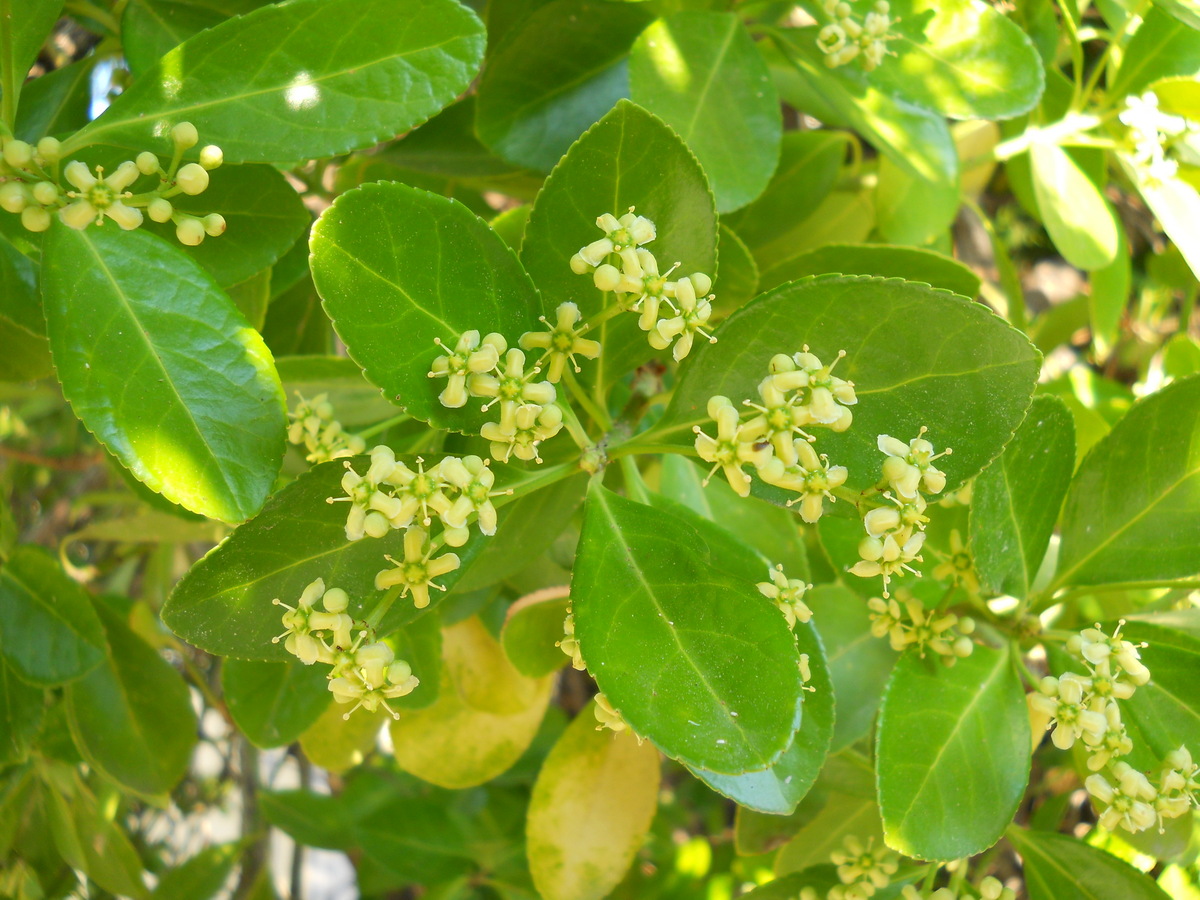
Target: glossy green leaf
x=163, y=369
x=942, y=794
x=809, y=163
x=56, y=103
x=26, y=28
x=962, y=58
x=629, y=158
x=151, y=28
x=700, y=72
x=1076, y=215
x=201, y=877
x=1110, y=287
x=912, y=210
x=223, y=604
x=780, y=788
x=556, y=72
x=914, y=138
x=132, y=717
x=22, y=324
x=49, y=634
x=397, y=268
x=395, y=63
x=1162, y=47
x=485, y=716
x=532, y=627
x=1133, y=511
x=1167, y=709
x=263, y=215
x=1058, y=866
x=272, y=703
x=909, y=263
x=859, y=663
x=905, y=354
x=591, y=809
x=22, y=708
x=1017, y=499
x=679, y=639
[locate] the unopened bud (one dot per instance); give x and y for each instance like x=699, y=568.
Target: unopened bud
x=211, y=156
x=45, y=192
x=160, y=210
x=214, y=224
x=190, y=232
x=185, y=135
x=18, y=153
x=192, y=179
x=147, y=162
x=14, y=197
x=34, y=218
x=49, y=149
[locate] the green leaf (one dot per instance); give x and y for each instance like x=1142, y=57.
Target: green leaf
x=701, y=73
x=151, y=28
x=397, y=268
x=132, y=717
x=940, y=795
x=739, y=273
x=312, y=819
x=415, y=839
x=252, y=297
x=201, y=877
x=908, y=353
x=26, y=28
x=337, y=743
x=1133, y=511
x=271, y=86
x=843, y=814
x=590, y=811
x=1076, y=215
x=264, y=217
x=274, y=703
x=859, y=663
x=531, y=629
x=964, y=59
x=1176, y=205
x=1016, y=500
x=629, y=158
x=909, y=263
x=223, y=603
x=355, y=400
x=89, y=841
x=911, y=210
x=485, y=716
x=1186, y=11
x=680, y=640
x=780, y=788
x=22, y=708
x=162, y=368
x=1058, y=866
x=49, y=634
x=56, y=103
x=1110, y=287
x=1167, y=709
x=809, y=163
x=844, y=217
x=555, y=73
x=22, y=324
x=1162, y=47
x=419, y=643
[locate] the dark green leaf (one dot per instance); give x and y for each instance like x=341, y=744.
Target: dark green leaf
x=941, y=795
x=1059, y=867
x=680, y=640
x=859, y=663
x=531, y=629
x=252, y=296
x=56, y=103
x=629, y=158
x=701, y=73
x=738, y=284
x=201, y=877
x=1167, y=710
x=355, y=400
x=91, y=842
x=1133, y=511
x=556, y=73
x=274, y=703
x=271, y=86
x=132, y=717
x=1162, y=47
x=263, y=214
x=315, y=820
x=398, y=267
x=151, y=28
x=907, y=354
x=417, y=839
x=22, y=708
x=49, y=634
x=296, y=323
x=223, y=604
x=26, y=28
x=1016, y=500
x=909, y=263
x=22, y=324
x=419, y=643
x=163, y=369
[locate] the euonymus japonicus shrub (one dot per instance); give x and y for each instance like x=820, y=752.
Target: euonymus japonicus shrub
x=581, y=448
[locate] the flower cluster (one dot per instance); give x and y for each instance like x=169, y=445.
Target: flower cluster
x=669, y=311
x=798, y=392
x=989, y=889
x=904, y=620
x=844, y=39
x=862, y=870
x=314, y=428
x=32, y=187
x=364, y=672
x=788, y=595
x=486, y=367
x=570, y=644
x=958, y=567
x=896, y=532
x=1154, y=135
x=608, y=717
x=1085, y=707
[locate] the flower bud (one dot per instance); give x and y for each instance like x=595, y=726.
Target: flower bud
x=18, y=154
x=14, y=196
x=147, y=163
x=160, y=210
x=214, y=224
x=49, y=149
x=192, y=179
x=34, y=218
x=45, y=192
x=211, y=156
x=190, y=232
x=185, y=135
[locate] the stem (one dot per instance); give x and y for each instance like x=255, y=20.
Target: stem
x=574, y=428
x=384, y=425
x=10, y=80
x=594, y=411
x=1101, y=64
x=633, y=480
x=636, y=447
x=255, y=856
x=296, y=885
x=1072, y=29
x=1044, y=600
